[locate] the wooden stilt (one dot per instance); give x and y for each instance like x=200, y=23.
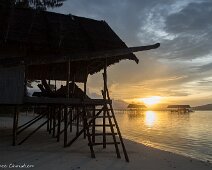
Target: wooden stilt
x=66, y=108
x=84, y=110
x=15, y=125
x=84, y=122
x=105, y=106
x=54, y=121
x=59, y=124
x=65, y=126
x=82, y=130
x=93, y=126
x=89, y=121
x=104, y=128
x=70, y=118
x=89, y=141
x=50, y=120
x=48, y=117
x=77, y=114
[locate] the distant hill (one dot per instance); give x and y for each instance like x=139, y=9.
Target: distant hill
x=203, y=107
x=119, y=104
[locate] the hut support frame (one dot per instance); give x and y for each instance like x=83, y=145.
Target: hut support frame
x=83, y=116
x=108, y=115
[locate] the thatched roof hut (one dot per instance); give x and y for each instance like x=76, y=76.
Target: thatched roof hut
x=136, y=106
x=45, y=41
x=178, y=106
x=38, y=45
x=51, y=46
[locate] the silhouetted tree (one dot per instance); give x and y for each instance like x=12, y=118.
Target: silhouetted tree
x=35, y=4
x=4, y=4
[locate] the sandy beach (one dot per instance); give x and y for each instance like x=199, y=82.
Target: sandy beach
x=42, y=151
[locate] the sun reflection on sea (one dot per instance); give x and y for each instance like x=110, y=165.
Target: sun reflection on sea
x=150, y=118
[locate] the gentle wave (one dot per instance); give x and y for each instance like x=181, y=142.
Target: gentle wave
x=189, y=134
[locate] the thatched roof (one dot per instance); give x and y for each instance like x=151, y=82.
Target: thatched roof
x=179, y=106
x=45, y=41
x=136, y=106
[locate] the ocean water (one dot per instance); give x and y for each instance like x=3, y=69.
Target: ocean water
x=187, y=134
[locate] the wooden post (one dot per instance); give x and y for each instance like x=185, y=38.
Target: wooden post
x=54, y=120
x=73, y=81
x=68, y=79
x=84, y=110
x=70, y=118
x=85, y=89
x=66, y=107
x=25, y=81
x=105, y=105
x=15, y=125
x=55, y=85
x=93, y=126
x=65, y=126
x=50, y=119
x=77, y=113
x=59, y=123
x=71, y=110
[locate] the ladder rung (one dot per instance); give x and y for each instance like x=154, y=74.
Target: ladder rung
x=101, y=134
x=90, y=117
x=104, y=125
x=107, y=143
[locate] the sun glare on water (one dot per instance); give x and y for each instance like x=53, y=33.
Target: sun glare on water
x=150, y=118
x=150, y=101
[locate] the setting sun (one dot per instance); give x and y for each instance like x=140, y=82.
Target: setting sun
x=151, y=100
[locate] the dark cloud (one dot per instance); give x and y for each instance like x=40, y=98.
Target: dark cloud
x=194, y=18
x=204, y=68
x=192, y=27
x=125, y=16
x=184, y=29
x=184, y=34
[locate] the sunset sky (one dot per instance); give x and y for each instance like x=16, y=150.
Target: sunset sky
x=177, y=72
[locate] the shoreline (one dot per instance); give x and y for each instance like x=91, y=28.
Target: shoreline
x=177, y=153
x=42, y=151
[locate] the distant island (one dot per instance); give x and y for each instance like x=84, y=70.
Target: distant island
x=203, y=107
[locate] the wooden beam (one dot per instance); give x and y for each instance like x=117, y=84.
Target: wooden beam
x=70, y=101
x=35, y=60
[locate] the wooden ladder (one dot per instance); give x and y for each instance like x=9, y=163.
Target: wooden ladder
x=109, y=115
x=106, y=127
x=106, y=113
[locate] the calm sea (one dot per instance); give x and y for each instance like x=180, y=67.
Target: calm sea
x=187, y=134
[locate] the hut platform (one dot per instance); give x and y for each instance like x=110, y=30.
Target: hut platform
x=65, y=101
